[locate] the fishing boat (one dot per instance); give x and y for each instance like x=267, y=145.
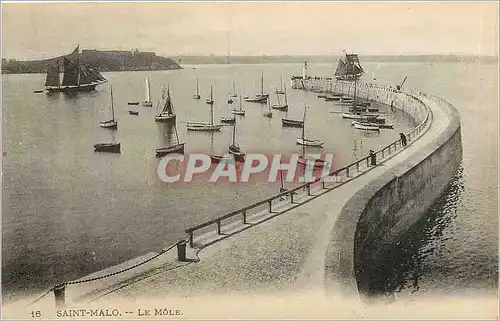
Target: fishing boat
x=233, y=94
x=133, y=103
x=259, y=98
x=76, y=76
x=235, y=149
x=239, y=111
x=268, y=113
x=292, y=123
x=349, y=68
x=306, y=160
x=111, y=123
x=197, y=95
x=228, y=120
x=205, y=126
x=281, y=90
x=177, y=148
x=307, y=141
x=167, y=113
x=147, y=102
x=366, y=126
x=359, y=115
x=38, y=91
x=281, y=106
x=133, y=112
x=107, y=147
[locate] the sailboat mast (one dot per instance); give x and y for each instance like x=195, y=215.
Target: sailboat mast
x=240, y=101
x=281, y=84
x=278, y=96
x=234, y=88
x=284, y=91
x=303, y=132
x=112, y=106
x=262, y=83
x=148, y=89
x=176, y=134
x=234, y=133
x=197, y=86
x=211, y=107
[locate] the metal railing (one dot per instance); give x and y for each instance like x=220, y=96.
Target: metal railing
x=349, y=171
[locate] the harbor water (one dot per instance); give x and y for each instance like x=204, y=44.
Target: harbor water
x=68, y=211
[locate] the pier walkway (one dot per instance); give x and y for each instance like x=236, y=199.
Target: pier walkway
x=284, y=254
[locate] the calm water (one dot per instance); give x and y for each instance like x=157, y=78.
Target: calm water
x=455, y=250
x=68, y=211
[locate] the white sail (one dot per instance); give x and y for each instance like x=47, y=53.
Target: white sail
x=148, y=91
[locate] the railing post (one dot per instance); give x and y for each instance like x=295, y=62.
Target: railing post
x=347, y=171
x=383, y=149
x=357, y=166
x=191, y=241
x=181, y=251
x=218, y=227
x=323, y=183
x=291, y=197
x=308, y=189
x=270, y=206
x=59, y=295
x=368, y=161
x=244, y=216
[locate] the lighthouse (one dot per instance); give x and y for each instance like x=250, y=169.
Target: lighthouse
x=304, y=71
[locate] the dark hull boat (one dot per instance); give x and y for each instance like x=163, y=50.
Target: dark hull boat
x=174, y=149
x=133, y=103
x=107, y=147
x=76, y=76
x=292, y=123
x=133, y=112
x=228, y=120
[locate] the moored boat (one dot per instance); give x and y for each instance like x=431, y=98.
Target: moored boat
x=205, y=126
x=174, y=149
x=167, y=113
x=111, y=123
x=366, y=126
x=259, y=98
x=107, y=147
x=292, y=123
x=228, y=120
x=239, y=111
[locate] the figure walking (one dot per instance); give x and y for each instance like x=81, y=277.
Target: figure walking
x=403, y=139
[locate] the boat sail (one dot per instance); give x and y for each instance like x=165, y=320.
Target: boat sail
x=111, y=123
x=281, y=90
x=76, y=76
x=281, y=106
x=177, y=148
x=307, y=141
x=349, y=67
x=259, y=98
x=167, y=113
x=205, y=126
x=197, y=95
x=239, y=111
x=147, y=102
x=303, y=158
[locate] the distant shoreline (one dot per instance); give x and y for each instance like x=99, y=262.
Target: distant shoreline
x=192, y=61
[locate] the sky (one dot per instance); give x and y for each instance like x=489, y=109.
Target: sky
x=43, y=30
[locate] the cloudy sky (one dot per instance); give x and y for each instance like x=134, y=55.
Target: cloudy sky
x=40, y=30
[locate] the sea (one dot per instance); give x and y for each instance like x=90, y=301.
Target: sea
x=68, y=211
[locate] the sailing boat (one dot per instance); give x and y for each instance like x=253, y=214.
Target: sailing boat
x=177, y=148
x=112, y=123
x=167, y=113
x=280, y=106
x=280, y=91
x=259, y=98
x=228, y=120
x=303, y=158
x=235, y=149
x=308, y=141
x=147, y=102
x=268, y=113
x=76, y=76
x=233, y=94
x=239, y=111
x=205, y=126
x=197, y=95
x=349, y=67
